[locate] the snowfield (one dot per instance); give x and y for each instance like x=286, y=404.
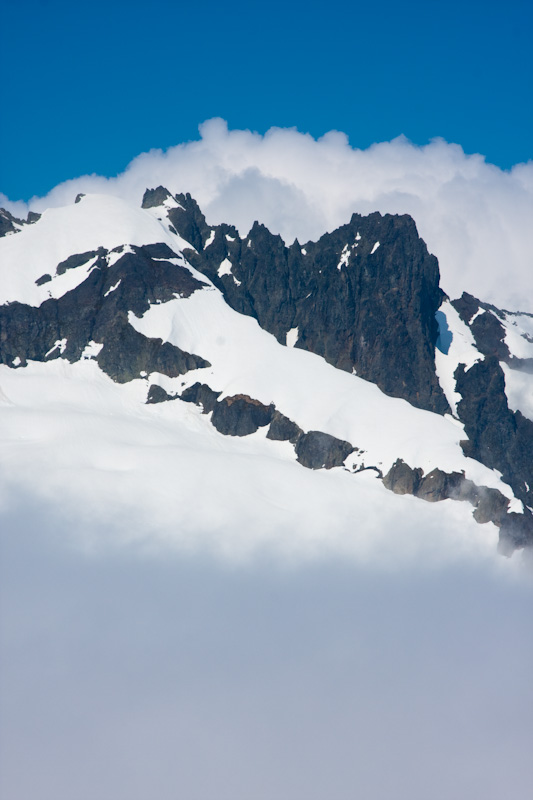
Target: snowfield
x=161, y=473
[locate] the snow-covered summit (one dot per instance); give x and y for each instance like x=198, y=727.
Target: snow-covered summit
x=143, y=347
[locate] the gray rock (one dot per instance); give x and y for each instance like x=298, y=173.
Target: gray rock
x=402, y=479
x=375, y=315
x=156, y=394
x=240, y=415
x=317, y=450
x=155, y=197
x=283, y=429
x=201, y=395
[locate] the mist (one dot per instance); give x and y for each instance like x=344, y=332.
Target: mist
x=128, y=675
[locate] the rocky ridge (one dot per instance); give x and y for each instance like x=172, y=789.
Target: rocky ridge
x=365, y=297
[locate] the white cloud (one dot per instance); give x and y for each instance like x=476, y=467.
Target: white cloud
x=124, y=678
x=474, y=216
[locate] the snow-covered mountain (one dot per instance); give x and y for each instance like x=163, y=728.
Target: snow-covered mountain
x=204, y=385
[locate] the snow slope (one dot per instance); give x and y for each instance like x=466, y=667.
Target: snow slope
x=96, y=221
x=95, y=450
x=161, y=475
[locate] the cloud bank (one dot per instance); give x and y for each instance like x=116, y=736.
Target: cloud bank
x=475, y=217
x=136, y=678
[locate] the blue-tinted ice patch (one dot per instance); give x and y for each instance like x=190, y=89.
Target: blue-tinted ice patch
x=444, y=339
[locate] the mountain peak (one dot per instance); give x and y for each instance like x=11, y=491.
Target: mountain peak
x=325, y=354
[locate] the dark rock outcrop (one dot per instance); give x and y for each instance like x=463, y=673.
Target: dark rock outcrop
x=498, y=437
x=156, y=394
x=9, y=223
x=202, y=395
x=516, y=532
x=283, y=429
x=364, y=297
x=466, y=306
x=240, y=415
x=317, y=450
x=402, y=479
x=484, y=320
x=189, y=222
x=155, y=197
x=78, y=260
x=97, y=310
x=490, y=505
x=489, y=335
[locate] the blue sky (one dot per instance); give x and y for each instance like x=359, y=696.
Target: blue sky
x=88, y=86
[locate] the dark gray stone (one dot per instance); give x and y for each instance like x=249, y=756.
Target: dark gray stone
x=155, y=197
x=156, y=394
x=437, y=485
x=402, y=479
x=78, y=260
x=240, y=415
x=466, y=306
x=516, y=532
x=317, y=450
x=491, y=506
x=283, y=429
x=201, y=395
x=189, y=221
x=498, y=437
x=90, y=312
x=8, y=222
x=376, y=315
x=489, y=335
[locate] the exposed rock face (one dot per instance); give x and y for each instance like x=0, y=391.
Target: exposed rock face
x=10, y=224
x=498, y=437
x=202, y=395
x=364, y=297
x=490, y=504
x=156, y=394
x=77, y=260
x=155, y=197
x=317, y=450
x=516, y=531
x=486, y=327
x=97, y=310
x=189, y=221
x=402, y=479
x=240, y=415
x=489, y=334
x=485, y=322
x=466, y=306
x=283, y=429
